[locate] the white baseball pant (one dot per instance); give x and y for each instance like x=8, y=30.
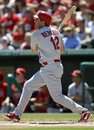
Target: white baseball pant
x=49, y=75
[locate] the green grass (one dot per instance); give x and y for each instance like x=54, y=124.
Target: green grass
x=43, y=116
x=62, y=116
x=41, y=128
x=48, y=128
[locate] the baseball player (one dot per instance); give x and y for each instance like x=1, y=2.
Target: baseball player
x=47, y=42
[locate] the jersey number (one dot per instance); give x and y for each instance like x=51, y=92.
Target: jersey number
x=55, y=42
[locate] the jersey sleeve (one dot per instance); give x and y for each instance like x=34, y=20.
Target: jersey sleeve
x=33, y=42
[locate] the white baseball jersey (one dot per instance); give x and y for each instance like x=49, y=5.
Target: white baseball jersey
x=74, y=90
x=48, y=40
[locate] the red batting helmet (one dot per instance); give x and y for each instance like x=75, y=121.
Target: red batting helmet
x=44, y=16
x=20, y=71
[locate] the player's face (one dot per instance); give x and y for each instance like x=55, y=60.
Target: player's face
x=20, y=78
x=38, y=23
x=69, y=33
x=76, y=79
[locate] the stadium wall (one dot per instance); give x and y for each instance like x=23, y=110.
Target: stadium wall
x=10, y=60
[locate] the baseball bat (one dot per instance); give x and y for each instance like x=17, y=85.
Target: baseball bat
x=68, y=15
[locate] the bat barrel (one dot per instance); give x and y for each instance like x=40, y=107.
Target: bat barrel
x=68, y=15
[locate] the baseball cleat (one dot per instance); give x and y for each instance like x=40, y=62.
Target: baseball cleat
x=85, y=116
x=11, y=117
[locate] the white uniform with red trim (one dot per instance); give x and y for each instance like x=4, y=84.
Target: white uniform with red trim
x=48, y=41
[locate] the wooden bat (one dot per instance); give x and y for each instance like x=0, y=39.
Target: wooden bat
x=68, y=15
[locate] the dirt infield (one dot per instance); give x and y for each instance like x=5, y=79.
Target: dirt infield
x=8, y=124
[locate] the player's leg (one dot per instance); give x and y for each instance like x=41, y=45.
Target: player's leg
x=32, y=84
x=64, y=100
x=52, y=78
x=55, y=90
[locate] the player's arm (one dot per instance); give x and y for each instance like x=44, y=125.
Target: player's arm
x=62, y=49
x=77, y=98
x=33, y=45
x=34, y=50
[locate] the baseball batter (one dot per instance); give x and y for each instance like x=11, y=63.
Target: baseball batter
x=47, y=42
